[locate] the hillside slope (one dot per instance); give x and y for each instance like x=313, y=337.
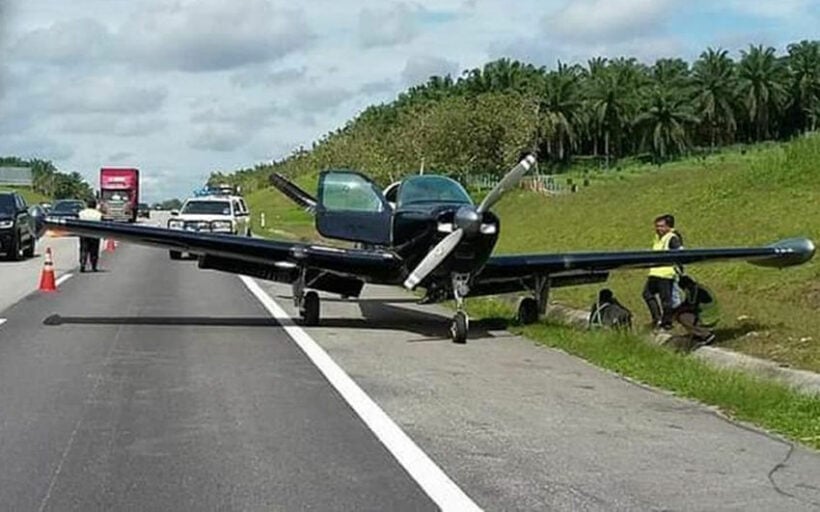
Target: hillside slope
x=727, y=200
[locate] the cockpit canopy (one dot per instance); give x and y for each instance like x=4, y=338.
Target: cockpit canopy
x=418, y=190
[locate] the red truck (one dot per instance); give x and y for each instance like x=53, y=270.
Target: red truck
x=119, y=194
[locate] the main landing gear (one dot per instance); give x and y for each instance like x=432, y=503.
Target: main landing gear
x=530, y=309
x=307, y=302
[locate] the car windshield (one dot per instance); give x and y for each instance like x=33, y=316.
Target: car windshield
x=67, y=206
x=207, y=207
x=7, y=204
x=431, y=189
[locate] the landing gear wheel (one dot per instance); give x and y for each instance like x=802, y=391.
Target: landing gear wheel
x=29, y=252
x=528, y=311
x=310, y=309
x=175, y=255
x=459, y=328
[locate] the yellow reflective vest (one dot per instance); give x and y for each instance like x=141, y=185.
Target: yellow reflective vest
x=662, y=244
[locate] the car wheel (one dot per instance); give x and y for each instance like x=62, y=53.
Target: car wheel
x=29, y=252
x=13, y=253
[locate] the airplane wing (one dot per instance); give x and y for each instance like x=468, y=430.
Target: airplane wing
x=293, y=192
x=268, y=259
x=514, y=272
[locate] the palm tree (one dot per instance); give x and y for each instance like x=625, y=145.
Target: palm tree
x=715, y=82
x=559, y=107
x=665, y=122
x=671, y=73
x=762, y=87
x=804, y=62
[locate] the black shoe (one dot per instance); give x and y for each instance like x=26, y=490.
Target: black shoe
x=82, y=269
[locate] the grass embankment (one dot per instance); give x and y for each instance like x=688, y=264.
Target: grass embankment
x=283, y=219
x=731, y=199
x=28, y=194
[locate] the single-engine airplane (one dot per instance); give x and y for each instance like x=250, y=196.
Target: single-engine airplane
x=424, y=231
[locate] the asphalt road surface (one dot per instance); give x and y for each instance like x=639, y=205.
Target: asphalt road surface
x=156, y=386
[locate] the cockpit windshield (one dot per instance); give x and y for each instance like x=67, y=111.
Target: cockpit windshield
x=431, y=189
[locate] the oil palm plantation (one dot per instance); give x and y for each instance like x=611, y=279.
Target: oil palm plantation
x=762, y=81
x=804, y=63
x=714, y=84
x=665, y=122
x=559, y=110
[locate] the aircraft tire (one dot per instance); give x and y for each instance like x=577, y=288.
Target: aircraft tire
x=527, y=311
x=310, y=309
x=459, y=328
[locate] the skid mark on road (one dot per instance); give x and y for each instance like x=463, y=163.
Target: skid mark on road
x=427, y=474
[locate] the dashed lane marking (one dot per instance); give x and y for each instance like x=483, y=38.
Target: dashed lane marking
x=427, y=474
x=63, y=278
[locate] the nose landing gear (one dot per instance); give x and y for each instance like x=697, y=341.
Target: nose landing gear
x=461, y=322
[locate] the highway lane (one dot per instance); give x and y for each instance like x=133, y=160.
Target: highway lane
x=155, y=386
x=523, y=427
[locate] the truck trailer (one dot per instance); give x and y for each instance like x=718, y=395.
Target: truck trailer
x=119, y=194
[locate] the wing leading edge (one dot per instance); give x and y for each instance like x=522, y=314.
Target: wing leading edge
x=781, y=254
x=367, y=265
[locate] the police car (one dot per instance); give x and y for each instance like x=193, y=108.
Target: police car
x=212, y=211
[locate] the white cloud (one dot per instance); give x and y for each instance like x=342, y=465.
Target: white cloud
x=782, y=9
x=321, y=99
x=105, y=94
x=66, y=43
x=421, y=67
x=388, y=26
x=217, y=138
x=116, y=125
x=253, y=76
x=606, y=20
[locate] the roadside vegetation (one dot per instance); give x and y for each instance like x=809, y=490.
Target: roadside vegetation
x=48, y=182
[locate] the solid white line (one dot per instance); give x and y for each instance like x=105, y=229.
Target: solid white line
x=62, y=279
x=441, y=489
x=3, y=320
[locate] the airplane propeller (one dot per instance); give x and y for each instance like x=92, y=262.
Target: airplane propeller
x=467, y=220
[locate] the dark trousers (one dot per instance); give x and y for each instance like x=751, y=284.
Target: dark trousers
x=659, y=288
x=89, y=250
x=690, y=322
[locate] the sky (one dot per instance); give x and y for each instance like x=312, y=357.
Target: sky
x=181, y=88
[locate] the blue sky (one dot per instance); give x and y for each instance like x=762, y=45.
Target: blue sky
x=180, y=88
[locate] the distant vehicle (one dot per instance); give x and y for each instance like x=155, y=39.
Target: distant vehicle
x=18, y=233
x=46, y=207
x=119, y=194
x=66, y=208
x=143, y=210
x=213, y=214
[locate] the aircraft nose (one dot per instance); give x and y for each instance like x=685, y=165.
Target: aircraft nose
x=468, y=219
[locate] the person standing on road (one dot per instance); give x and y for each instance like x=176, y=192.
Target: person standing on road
x=660, y=284
x=89, y=246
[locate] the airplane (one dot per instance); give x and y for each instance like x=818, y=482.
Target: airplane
x=422, y=232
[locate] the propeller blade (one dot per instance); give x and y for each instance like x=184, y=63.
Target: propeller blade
x=507, y=182
x=433, y=259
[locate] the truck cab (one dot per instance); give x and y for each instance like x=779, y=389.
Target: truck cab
x=119, y=194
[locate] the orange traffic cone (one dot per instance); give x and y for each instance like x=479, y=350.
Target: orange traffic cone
x=47, y=282
x=110, y=245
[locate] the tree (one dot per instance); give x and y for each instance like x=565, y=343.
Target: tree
x=611, y=95
x=715, y=84
x=559, y=109
x=804, y=62
x=665, y=122
x=762, y=87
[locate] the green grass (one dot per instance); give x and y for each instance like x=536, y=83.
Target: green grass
x=283, y=219
x=771, y=405
x=29, y=195
x=730, y=199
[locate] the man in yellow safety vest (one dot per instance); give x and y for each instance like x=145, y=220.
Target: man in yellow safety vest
x=661, y=280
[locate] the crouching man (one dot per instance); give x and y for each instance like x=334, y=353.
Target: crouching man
x=698, y=312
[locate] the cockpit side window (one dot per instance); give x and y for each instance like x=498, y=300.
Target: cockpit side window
x=350, y=192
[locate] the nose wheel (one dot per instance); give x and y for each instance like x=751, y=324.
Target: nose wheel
x=461, y=323
x=460, y=327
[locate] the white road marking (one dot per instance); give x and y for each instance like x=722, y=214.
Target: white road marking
x=62, y=279
x=431, y=478
x=3, y=320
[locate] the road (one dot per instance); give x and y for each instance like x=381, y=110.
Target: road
x=156, y=386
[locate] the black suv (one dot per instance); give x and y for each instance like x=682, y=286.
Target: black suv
x=18, y=232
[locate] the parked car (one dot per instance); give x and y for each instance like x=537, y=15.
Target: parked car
x=223, y=214
x=18, y=232
x=66, y=208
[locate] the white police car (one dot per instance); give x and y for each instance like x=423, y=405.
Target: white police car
x=227, y=214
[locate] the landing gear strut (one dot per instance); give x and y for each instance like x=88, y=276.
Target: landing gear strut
x=307, y=302
x=530, y=309
x=461, y=322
